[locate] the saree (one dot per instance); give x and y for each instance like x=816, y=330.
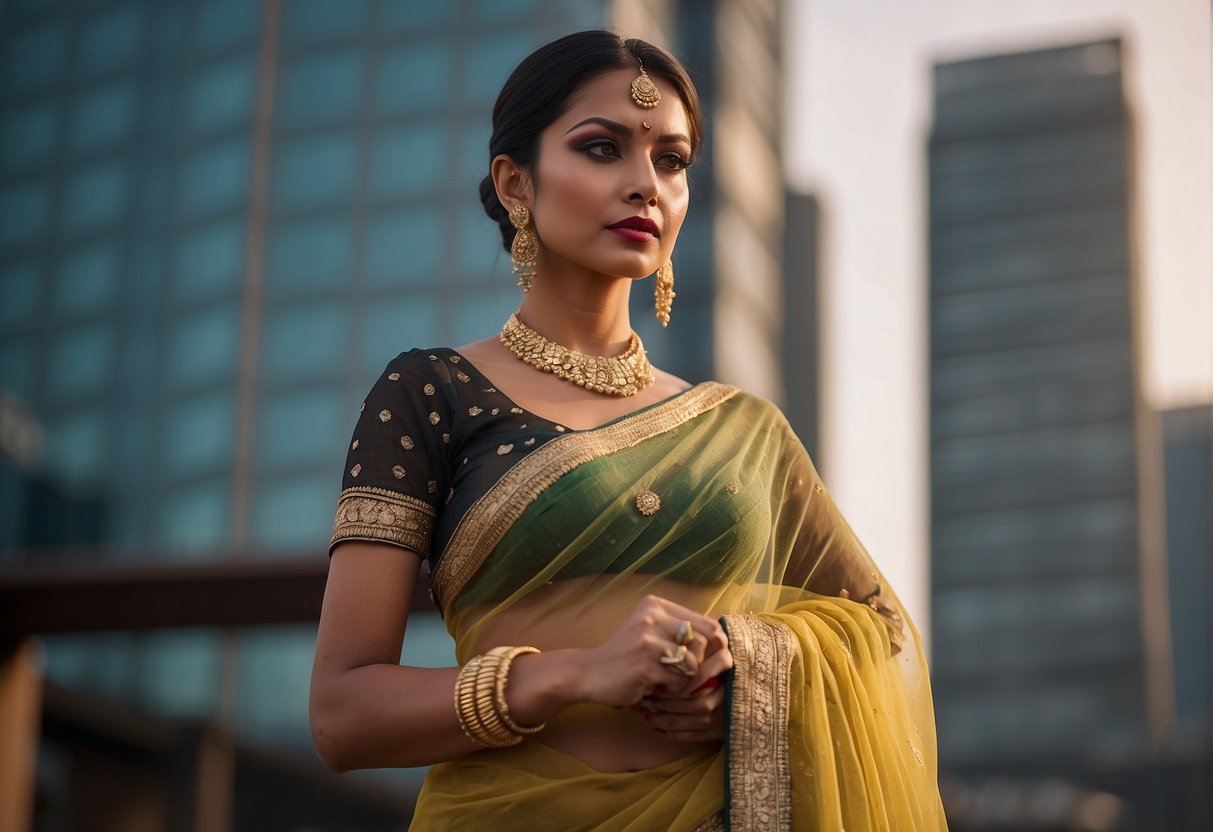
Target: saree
x=829, y=721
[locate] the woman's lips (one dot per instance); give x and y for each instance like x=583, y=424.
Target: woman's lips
x=636, y=229
x=634, y=235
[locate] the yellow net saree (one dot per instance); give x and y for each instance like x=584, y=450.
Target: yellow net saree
x=830, y=725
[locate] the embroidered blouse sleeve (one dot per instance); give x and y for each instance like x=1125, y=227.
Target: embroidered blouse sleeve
x=396, y=465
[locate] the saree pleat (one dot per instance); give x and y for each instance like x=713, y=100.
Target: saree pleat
x=830, y=721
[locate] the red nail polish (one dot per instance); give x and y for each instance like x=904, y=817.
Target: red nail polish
x=710, y=684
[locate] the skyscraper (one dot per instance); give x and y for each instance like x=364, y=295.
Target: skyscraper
x=1048, y=579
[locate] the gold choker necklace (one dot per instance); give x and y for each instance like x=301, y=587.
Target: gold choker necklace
x=623, y=375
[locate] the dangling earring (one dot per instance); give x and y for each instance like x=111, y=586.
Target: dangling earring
x=664, y=292
x=525, y=248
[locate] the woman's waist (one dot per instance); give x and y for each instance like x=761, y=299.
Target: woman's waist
x=611, y=740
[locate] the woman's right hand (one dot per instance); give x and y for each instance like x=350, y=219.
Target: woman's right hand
x=628, y=666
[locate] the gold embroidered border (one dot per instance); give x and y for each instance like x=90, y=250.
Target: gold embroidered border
x=367, y=513
x=713, y=824
x=760, y=774
x=490, y=517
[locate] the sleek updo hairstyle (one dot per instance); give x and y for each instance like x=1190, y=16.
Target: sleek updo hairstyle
x=538, y=91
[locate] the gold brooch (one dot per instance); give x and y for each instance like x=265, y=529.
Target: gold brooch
x=645, y=92
x=648, y=503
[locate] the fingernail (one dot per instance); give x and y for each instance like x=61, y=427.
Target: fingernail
x=710, y=684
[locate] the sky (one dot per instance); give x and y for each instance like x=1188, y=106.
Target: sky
x=858, y=100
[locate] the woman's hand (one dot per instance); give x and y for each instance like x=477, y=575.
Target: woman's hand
x=698, y=715
x=629, y=667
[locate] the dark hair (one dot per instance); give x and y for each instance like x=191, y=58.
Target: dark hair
x=537, y=93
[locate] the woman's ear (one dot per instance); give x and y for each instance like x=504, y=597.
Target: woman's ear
x=512, y=181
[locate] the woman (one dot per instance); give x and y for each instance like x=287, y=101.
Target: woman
x=662, y=622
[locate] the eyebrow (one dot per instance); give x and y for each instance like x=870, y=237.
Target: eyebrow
x=624, y=130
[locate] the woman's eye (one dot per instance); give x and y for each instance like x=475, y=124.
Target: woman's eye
x=673, y=161
x=601, y=149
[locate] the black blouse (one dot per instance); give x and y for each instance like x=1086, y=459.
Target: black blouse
x=432, y=437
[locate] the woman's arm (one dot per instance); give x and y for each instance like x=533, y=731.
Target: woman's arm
x=367, y=711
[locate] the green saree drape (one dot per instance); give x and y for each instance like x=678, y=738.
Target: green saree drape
x=830, y=721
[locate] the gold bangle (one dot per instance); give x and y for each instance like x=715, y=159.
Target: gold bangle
x=472, y=709
x=486, y=713
x=508, y=654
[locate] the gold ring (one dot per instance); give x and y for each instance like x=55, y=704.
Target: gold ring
x=675, y=661
x=676, y=657
x=685, y=634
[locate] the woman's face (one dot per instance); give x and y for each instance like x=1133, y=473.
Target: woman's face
x=604, y=167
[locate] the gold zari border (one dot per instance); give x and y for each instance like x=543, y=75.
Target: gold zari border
x=713, y=824
x=490, y=517
x=377, y=514
x=760, y=772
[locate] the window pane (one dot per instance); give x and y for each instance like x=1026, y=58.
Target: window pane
x=199, y=434
x=76, y=447
x=321, y=88
x=17, y=369
x=310, y=254
x=273, y=666
x=316, y=170
x=216, y=177
x=405, y=248
x=194, y=521
x=34, y=59
x=102, y=118
x=87, y=281
x=95, y=196
x=221, y=94
x=28, y=137
x=222, y=23
x=296, y=514
x=204, y=347
x=19, y=286
x=81, y=361
x=24, y=212
x=309, y=21
x=389, y=328
x=109, y=40
x=406, y=162
x=305, y=342
x=416, y=77
x=179, y=672
x=301, y=427
x=490, y=61
x=409, y=16
x=481, y=314
x=210, y=260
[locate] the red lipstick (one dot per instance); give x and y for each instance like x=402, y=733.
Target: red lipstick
x=636, y=229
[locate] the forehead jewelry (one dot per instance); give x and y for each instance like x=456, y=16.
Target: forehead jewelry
x=644, y=91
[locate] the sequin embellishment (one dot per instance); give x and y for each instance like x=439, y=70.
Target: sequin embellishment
x=648, y=503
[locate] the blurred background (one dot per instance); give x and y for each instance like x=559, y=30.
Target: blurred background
x=965, y=245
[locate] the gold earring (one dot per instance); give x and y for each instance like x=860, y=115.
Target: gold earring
x=664, y=293
x=524, y=251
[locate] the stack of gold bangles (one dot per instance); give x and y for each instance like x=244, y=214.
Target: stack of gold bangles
x=480, y=699
x=676, y=661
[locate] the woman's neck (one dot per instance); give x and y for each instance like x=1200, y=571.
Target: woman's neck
x=585, y=313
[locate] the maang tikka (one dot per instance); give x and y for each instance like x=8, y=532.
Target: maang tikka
x=524, y=251
x=644, y=91
x=664, y=293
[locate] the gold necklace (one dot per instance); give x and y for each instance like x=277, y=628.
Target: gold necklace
x=622, y=375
